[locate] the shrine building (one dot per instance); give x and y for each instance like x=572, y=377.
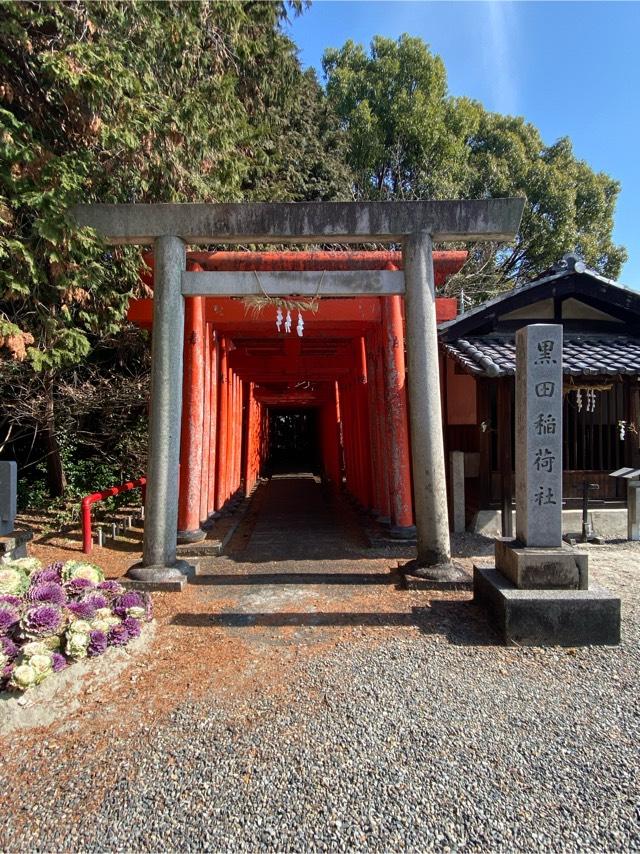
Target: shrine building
x=601, y=401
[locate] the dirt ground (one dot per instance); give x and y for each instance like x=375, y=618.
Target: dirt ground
x=295, y=582
x=249, y=613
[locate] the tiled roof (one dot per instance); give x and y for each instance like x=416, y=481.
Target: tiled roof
x=495, y=355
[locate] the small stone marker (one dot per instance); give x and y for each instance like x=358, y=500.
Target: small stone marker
x=633, y=510
x=8, y=496
x=539, y=435
x=457, y=490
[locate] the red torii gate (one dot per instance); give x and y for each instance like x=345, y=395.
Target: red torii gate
x=236, y=365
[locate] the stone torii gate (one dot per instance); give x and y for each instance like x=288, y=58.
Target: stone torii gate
x=416, y=225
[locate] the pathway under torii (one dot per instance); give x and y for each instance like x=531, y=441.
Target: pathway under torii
x=350, y=359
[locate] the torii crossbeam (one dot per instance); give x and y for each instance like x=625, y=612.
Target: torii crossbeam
x=170, y=227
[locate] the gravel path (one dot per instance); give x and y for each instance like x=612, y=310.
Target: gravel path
x=416, y=733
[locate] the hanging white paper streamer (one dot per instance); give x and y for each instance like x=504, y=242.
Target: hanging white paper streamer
x=278, y=318
x=300, y=326
x=287, y=322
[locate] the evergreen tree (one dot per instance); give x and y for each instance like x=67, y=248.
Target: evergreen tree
x=409, y=139
x=131, y=102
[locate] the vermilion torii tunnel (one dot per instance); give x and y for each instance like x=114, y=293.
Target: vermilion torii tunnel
x=348, y=367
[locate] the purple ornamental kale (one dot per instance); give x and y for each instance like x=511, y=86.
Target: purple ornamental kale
x=9, y=648
x=132, y=626
x=76, y=586
x=96, y=600
x=82, y=610
x=52, y=572
x=47, y=591
x=113, y=588
x=42, y=620
x=97, y=643
x=5, y=674
x=131, y=599
x=58, y=661
x=118, y=635
x=9, y=617
x=10, y=599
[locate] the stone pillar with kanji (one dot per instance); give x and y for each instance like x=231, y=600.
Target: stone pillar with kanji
x=539, y=435
x=539, y=592
x=537, y=557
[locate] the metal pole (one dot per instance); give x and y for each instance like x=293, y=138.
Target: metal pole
x=160, y=531
x=432, y=521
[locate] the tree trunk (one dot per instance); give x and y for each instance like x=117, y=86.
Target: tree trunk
x=56, y=479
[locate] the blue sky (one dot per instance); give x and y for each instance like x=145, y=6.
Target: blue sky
x=571, y=68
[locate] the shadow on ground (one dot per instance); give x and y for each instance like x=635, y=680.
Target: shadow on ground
x=294, y=578
x=460, y=622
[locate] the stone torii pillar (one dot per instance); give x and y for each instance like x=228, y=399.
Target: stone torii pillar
x=425, y=417
x=415, y=224
x=159, y=563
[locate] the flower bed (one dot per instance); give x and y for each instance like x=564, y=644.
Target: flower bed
x=53, y=615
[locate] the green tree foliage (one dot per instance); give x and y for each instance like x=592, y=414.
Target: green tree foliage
x=302, y=151
x=407, y=138
x=133, y=102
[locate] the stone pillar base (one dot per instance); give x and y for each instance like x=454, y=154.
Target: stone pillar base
x=443, y=576
x=529, y=568
x=196, y=536
x=14, y=545
x=402, y=532
x=160, y=578
x=548, y=617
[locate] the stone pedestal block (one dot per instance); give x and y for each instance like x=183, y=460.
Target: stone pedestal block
x=548, y=617
x=542, y=569
x=14, y=545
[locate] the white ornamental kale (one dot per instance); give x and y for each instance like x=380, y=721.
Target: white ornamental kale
x=43, y=665
x=82, y=569
x=26, y=564
x=23, y=676
x=13, y=580
x=32, y=671
x=34, y=648
x=100, y=626
x=77, y=643
x=82, y=627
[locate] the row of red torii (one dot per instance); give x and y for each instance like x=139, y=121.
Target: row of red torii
x=414, y=225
